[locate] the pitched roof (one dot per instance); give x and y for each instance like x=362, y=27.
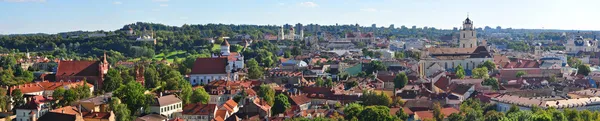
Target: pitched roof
x=167, y=100
x=429, y=114
x=78, y=68
x=299, y=99
x=152, y=117
x=209, y=66
x=97, y=115
x=33, y=104
x=220, y=115
x=442, y=83
x=229, y=105
x=461, y=88
x=199, y=109
x=55, y=116
x=521, y=63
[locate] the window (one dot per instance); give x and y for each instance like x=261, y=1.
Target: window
x=463, y=45
x=472, y=33
x=463, y=35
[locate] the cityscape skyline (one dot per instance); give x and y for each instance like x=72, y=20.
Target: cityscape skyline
x=50, y=16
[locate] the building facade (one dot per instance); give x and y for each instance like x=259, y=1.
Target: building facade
x=468, y=35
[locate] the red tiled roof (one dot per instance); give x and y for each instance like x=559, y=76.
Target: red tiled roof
x=199, y=109
x=442, y=83
x=45, y=85
x=37, y=100
x=521, y=63
x=78, y=68
x=429, y=114
x=209, y=66
x=229, y=105
x=220, y=115
x=96, y=115
x=299, y=99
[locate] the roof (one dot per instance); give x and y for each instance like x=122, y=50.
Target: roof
x=429, y=114
x=219, y=116
x=461, y=88
x=442, y=83
x=299, y=99
x=152, y=117
x=386, y=77
x=46, y=85
x=230, y=105
x=54, y=116
x=199, y=109
x=459, y=53
x=209, y=66
x=78, y=68
x=167, y=100
x=521, y=63
x=35, y=102
x=97, y=115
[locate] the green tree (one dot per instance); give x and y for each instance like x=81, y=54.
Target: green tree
x=287, y=54
x=520, y=74
x=374, y=66
x=151, y=77
x=401, y=114
x=70, y=96
x=329, y=83
x=493, y=116
x=438, y=115
x=18, y=98
x=493, y=82
x=488, y=64
x=254, y=71
x=480, y=73
x=455, y=117
x=133, y=95
x=236, y=48
x=399, y=55
x=460, y=72
x=353, y=110
x=513, y=109
x=400, y=81
x=186, y=92
x=266, y=93
x=281, y=104
x=370, y=98
x=376, y=113
x=112, y=81
x=200, y=96
x=296, y=51
x=4, y=100
x=583, y=69
x=120, y=110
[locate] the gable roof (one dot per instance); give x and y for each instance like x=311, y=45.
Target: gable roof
x=209, y=66
x=230, y=105
x=199, y=109
x=78, y=68
x=167, y=100
x=299, y=99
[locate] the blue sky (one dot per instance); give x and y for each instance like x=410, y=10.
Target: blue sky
x=52, y=16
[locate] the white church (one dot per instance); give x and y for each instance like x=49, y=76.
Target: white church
x=222, y=66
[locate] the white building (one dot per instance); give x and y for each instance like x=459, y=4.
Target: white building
x=450, y=58
x=223, y=66
x=167, y=106
x=577, y=44
x=34, y=109
x=468, y=35
x=504, y=102
x=147, y=36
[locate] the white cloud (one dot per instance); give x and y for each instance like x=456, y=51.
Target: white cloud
x=164, y=5
x=117, y=3
x=368, y=9
x=160, y=0
x=308, y=4
x=23, y=0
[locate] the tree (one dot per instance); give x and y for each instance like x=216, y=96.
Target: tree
x=266, y=93
x=351, y=84
x=401, y=114
x=69, y=97
x=370, y=98
x=521, y=74
x=236, y=48
x=376, y=113
x=329, y=83
x=460, y=72
x=200, y=96
x=296, y=51
x=480, y=73
x=513, y=109
x=112, y=81
x=287, y=54
x=352, y=110
x=399, y=55
x=400, y=81
x=151, y=77
x=4, y=100
x=120, y=110
x=374, y=66
x=488, y=64
x=493, y=116
x=493, y=82
x=438, y=115
x=583, y=69
x=133, y=95
x=254, y=71
x=17, y=96
x=186, y=92
x=281, y=104
x=455, y=117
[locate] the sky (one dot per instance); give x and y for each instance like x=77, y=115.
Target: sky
x=53, y=16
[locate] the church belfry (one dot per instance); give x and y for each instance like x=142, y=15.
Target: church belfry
x=468, y=35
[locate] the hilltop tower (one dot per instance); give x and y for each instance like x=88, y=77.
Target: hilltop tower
x=468, y=35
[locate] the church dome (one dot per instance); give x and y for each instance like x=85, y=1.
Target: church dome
x=468, y=21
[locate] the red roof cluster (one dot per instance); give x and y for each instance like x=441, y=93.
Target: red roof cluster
x=521, y=63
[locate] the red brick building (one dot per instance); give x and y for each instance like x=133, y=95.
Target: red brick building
x=91, y=71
